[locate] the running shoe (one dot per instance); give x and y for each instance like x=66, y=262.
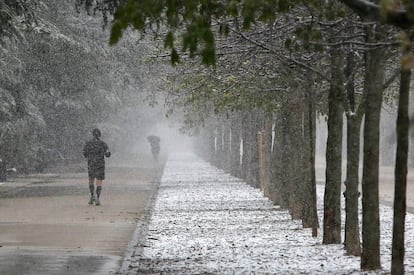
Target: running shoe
x=97, y=202
x=92, y=200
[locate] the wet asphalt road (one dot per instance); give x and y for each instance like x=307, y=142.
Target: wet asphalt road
x=47, y=226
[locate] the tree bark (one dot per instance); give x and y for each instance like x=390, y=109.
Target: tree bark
x=277, y=187
x=294, y=158
x=400, y=175
x=252, y=172
x=332, y=197
x=235, y=145
x=264, y=142
x=352, y=240
x=226, y=137
x=219, y=146
x=370, y=259
x=310, y=213
x=244, y=135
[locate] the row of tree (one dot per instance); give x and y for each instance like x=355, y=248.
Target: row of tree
x=277, y=65
x=60, y=79
x=301, y=57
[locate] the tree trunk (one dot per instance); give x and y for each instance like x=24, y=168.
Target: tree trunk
x=264, y=142
x=352, y=239
x=219, y=146
x=235, y=146
x=205, y=144
x=226, y=137
x=261, y=149
x=277, y=186
x=211, y=144
x=332, y=198
x=400, y=191
x=294, y=158
x=252, y=172
x=244, y=145
x=370, y=259
x=310, y=214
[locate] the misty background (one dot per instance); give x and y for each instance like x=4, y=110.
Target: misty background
x=64, y=79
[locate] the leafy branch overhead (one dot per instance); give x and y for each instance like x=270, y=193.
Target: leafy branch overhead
x=196, y=21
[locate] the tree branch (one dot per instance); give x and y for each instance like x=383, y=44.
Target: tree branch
x=366, y=9
x=284, y=59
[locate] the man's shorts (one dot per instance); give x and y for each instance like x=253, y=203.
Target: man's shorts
x=96, y=170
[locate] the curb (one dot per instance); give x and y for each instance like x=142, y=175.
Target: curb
x=135, y=245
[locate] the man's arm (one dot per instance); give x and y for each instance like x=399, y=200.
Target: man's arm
x=85, y=150
x=107, y=153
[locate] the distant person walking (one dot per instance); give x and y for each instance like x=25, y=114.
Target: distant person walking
x=95, y=151
x=155, y=146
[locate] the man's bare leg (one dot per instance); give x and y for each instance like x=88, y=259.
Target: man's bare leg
x=92, y=190
x=98, y=190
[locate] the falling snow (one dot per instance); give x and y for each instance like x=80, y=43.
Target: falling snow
x=206, y=221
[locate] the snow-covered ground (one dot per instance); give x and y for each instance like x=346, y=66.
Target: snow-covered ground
x=205, y=221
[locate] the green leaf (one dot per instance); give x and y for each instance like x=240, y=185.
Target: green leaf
x=190, y=7
x=232, y=8
x=284, y=5
x=138, y=21
x=208, y=37
x=288, y=43
x=208, y=56
x=169, y=40
x=248, y=19
x=116, y=33
x=318, y=47
x=175, y=58
x=191, y=41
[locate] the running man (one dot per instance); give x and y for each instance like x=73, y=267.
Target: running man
x=155, y=146
x=95, y=151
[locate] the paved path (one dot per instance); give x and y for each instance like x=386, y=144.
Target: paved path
x=205, y=221
x=47, y=226
x=202, y=221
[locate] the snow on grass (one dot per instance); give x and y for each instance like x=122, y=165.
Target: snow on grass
x=206, y=221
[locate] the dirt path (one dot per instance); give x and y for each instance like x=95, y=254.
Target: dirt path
x=47, y=226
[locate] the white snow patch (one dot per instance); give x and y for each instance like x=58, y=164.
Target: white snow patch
x=206, y=221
